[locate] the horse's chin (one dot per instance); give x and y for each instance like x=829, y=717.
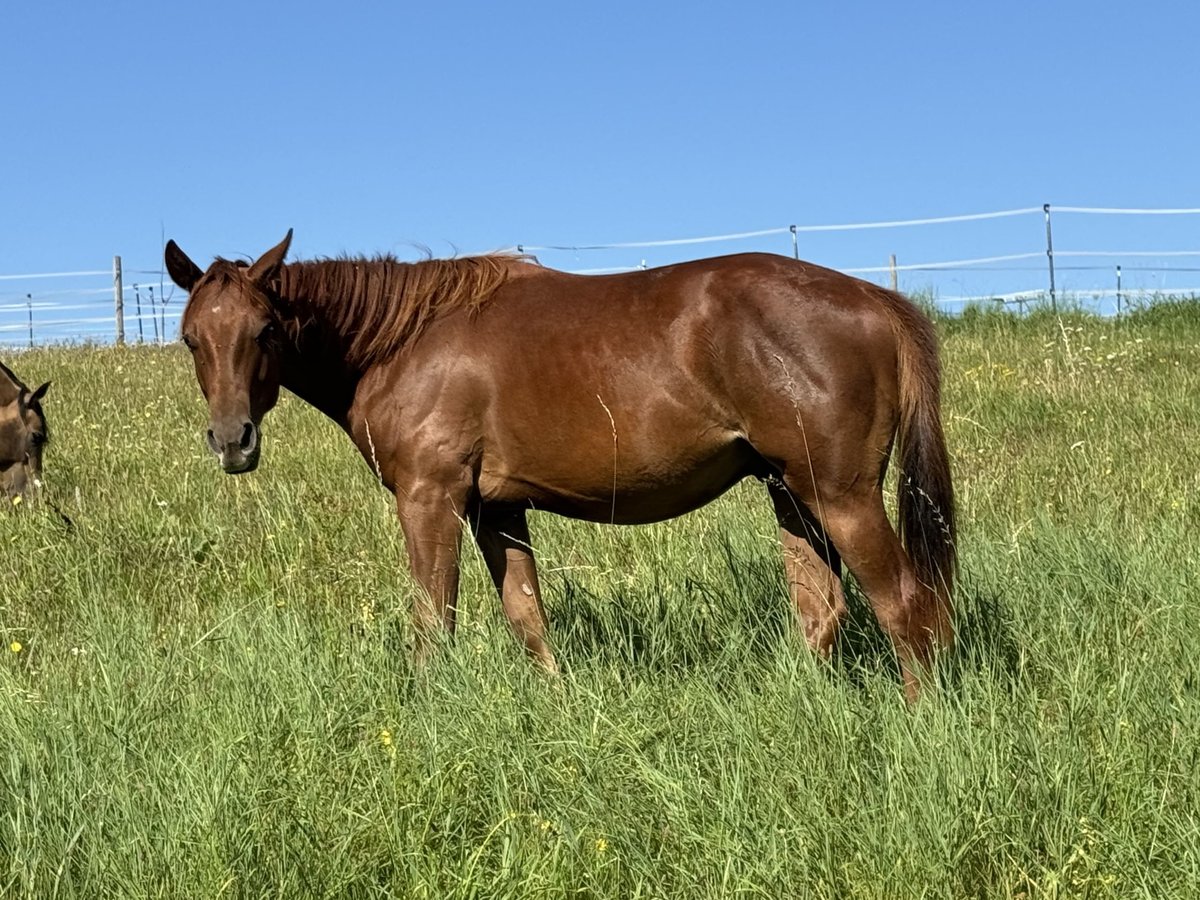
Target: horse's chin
x=24, y=495
x=240, y=465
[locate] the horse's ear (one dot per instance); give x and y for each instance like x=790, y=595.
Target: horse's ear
x=10, y=385
x=182, y=270
x=267, y=266
x=26, y=398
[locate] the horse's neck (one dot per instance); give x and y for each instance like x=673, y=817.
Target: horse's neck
x=317, y=373
x=330, y=397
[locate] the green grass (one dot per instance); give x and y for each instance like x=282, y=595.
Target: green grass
x=213, y=695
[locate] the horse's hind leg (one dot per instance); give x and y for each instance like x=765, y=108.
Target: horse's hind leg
x=813, y=570
x=908, y=611
x=504, y=541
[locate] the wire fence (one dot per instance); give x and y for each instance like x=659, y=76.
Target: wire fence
x=71, y=307
x=140, y=305
x=1159, y=260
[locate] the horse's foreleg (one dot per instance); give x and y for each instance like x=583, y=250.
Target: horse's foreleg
x=504, y=541
x=432, y=520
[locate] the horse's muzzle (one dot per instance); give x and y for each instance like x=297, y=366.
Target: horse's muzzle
x=236, y=446
x=19, y=485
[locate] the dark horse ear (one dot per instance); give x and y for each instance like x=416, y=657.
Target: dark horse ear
x=28, y=398
x=182, y=270
x=10, y=385
x=267, y=266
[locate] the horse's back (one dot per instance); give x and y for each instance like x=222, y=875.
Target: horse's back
x=716, y=332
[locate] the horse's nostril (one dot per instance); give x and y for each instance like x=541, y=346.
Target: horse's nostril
x=247, y=435
x=212, y=439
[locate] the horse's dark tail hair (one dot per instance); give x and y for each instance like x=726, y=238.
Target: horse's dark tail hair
x=925, y=491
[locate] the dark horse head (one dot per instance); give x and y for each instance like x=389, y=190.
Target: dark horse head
x=231, y=328
x=23, y=435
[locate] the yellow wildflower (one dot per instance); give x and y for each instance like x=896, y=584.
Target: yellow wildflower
x=385, y=741
x=601, y=845
x=15, y=647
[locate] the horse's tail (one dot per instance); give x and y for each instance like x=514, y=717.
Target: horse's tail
x=925, y=491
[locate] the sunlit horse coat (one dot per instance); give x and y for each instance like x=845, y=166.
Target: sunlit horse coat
x=482, y=387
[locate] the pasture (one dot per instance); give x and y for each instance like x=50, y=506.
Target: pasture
x=206, y=690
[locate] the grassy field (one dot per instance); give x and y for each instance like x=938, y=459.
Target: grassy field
x=205, y=686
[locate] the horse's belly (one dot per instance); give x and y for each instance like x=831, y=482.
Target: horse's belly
x=623, y=488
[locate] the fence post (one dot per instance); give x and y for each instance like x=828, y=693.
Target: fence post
x=1118, y=290
x=795, y=243
x=154, y=317
x=29, y=306
x=1050, y=257
x=137, y=296
x=892, y=270
x=119, y=299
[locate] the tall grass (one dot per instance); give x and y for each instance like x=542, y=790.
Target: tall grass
x=212, y=694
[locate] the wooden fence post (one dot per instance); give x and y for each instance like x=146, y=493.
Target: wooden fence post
x=1050, y=257
x=119, y=300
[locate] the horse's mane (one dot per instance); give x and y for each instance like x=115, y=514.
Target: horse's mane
x=380, y=304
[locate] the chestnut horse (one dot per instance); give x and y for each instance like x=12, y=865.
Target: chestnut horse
x=23, y=435
x=479, y=388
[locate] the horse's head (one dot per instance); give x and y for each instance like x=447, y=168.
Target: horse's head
x=233, y=330
x=23, y=435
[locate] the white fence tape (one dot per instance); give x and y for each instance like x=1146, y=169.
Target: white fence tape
x=1111, y=211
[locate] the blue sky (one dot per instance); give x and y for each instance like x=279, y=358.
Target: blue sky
x=469, y=126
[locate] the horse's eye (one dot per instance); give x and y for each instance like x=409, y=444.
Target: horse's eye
x=189, y=342
x=267, y=333
x=38, y=438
